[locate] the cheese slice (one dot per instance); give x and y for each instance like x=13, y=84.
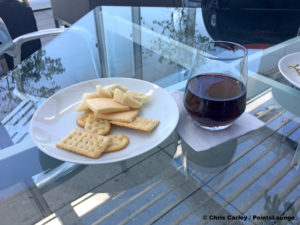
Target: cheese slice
x=123, y=98
x=105, y=105
x=118, y=95
x=127, y=116
x=101, y=92
x=83, y=107
x=112, y=87
x=139, y=96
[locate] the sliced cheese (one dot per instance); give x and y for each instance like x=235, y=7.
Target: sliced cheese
x=105, y=105
x=127, y=116
x=124, y=99
x=101, y=92
x=139, y=96
x=83, y=107
x=111, y=88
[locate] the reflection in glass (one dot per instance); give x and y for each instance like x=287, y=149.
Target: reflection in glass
x=179, y=27
x=39, y=68
x=8, y=99
x=273, y=207
x=22, y=91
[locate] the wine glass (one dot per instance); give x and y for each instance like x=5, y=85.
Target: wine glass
x=215, y=94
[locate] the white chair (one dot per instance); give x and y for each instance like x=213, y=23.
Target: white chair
x=13, y=47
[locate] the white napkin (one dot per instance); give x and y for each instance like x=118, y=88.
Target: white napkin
x=200, y=139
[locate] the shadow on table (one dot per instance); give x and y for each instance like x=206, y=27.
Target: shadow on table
x=203, y=166
x=215, y=157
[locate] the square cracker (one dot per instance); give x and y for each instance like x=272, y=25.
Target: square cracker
x=97, y=126
x=84, y=143
x=139, y=123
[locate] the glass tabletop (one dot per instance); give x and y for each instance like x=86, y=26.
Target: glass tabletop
x=252, y=179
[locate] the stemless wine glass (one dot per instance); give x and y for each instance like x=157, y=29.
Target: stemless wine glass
x=215, y=95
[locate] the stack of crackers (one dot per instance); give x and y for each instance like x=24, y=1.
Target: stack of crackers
x=110, y=105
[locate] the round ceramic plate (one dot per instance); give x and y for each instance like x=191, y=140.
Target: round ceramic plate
x=56, y=117
x=284, y=66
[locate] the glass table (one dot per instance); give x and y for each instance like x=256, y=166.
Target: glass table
x=252, y=179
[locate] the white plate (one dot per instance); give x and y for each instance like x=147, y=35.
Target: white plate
x=289, y=73
x=56, y=117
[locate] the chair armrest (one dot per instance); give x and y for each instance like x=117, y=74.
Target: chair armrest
x=32, y=36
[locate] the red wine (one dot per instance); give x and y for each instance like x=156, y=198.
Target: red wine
x=215, y=99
